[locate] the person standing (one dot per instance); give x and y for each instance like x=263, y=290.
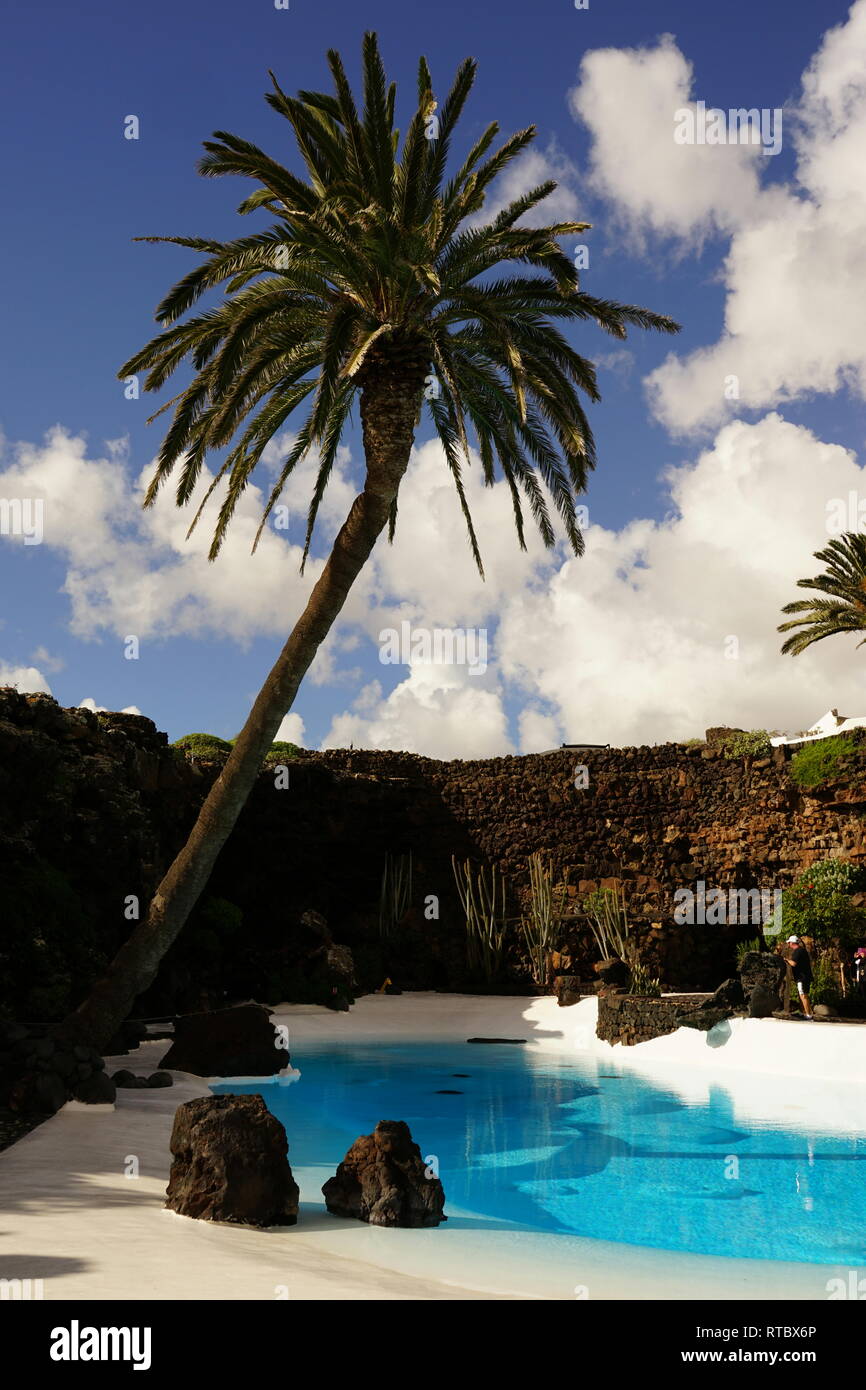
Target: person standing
x=801, y=969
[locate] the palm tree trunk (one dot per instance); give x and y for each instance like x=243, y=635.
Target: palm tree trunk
x=389, y=406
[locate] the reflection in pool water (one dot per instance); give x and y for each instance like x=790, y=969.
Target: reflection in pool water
x=553, y=1143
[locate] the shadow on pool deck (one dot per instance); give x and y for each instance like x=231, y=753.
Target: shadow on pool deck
x=315, y=1217
x=41, y=1266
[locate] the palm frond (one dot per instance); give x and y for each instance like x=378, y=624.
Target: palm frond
x=370, y=271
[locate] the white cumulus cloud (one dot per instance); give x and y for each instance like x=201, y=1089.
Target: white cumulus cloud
x=661, y=630
x=291, y=730
x=438, y=710
x=90, y=703
x=795, y=268
x=131, y=572
x=27, y=679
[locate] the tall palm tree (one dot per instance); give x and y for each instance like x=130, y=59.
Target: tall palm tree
x=844, y=610
x=373, y=284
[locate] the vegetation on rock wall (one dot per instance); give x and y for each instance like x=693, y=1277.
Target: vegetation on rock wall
x=203, y=745
x=824, y=760
x=745, y=948
x=280, y=752
x=210, y=746
x=105, y=801
x=643, y=983
x=754, y=744
x=826, y=985
x=819, y=902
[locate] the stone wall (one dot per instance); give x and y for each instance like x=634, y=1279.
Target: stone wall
x=657, y=819
x=637, y=1018
x=92, y=807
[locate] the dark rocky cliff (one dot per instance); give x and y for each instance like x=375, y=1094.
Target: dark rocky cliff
x=92, y=807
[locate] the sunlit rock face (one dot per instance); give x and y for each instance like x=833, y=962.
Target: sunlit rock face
x=230, y=1163
x=384, y=1181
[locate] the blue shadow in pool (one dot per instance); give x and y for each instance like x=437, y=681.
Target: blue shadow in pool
x=544, y=1142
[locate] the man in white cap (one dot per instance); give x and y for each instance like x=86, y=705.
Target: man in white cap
x=801, y=969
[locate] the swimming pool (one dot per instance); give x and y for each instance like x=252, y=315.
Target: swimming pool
x=573, y=1146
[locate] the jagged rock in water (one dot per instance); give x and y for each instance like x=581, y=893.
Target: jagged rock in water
x=383, y=1180
x=231, y=1163
x=228, y=1042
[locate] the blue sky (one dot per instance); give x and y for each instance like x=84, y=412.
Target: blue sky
x=81, y=294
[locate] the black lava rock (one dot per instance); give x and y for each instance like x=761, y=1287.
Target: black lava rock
x=96, y=1089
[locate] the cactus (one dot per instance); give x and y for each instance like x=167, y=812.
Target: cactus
x=608, y=919
x=482, y=895
x=546, y=910
x=395, y=894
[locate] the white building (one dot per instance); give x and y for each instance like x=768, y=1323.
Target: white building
x=830, y=723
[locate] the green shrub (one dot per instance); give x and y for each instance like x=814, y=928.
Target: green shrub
x=822, y=760
x=819, y=902
x=202, y=745
x=693, y=742
x=641, y=983
x=744, y=947
x=281, y=752
x=209, y=746
x=754, y=744
x=826, y=987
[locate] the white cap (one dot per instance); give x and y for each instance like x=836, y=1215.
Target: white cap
x=792, y=940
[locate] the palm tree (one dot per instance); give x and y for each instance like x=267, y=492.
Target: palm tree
x=844, y=580
x=372, y=285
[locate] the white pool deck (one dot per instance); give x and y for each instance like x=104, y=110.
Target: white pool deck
x=71, y=1217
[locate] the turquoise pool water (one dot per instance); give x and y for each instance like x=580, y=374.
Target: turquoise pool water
x=573, y=1147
